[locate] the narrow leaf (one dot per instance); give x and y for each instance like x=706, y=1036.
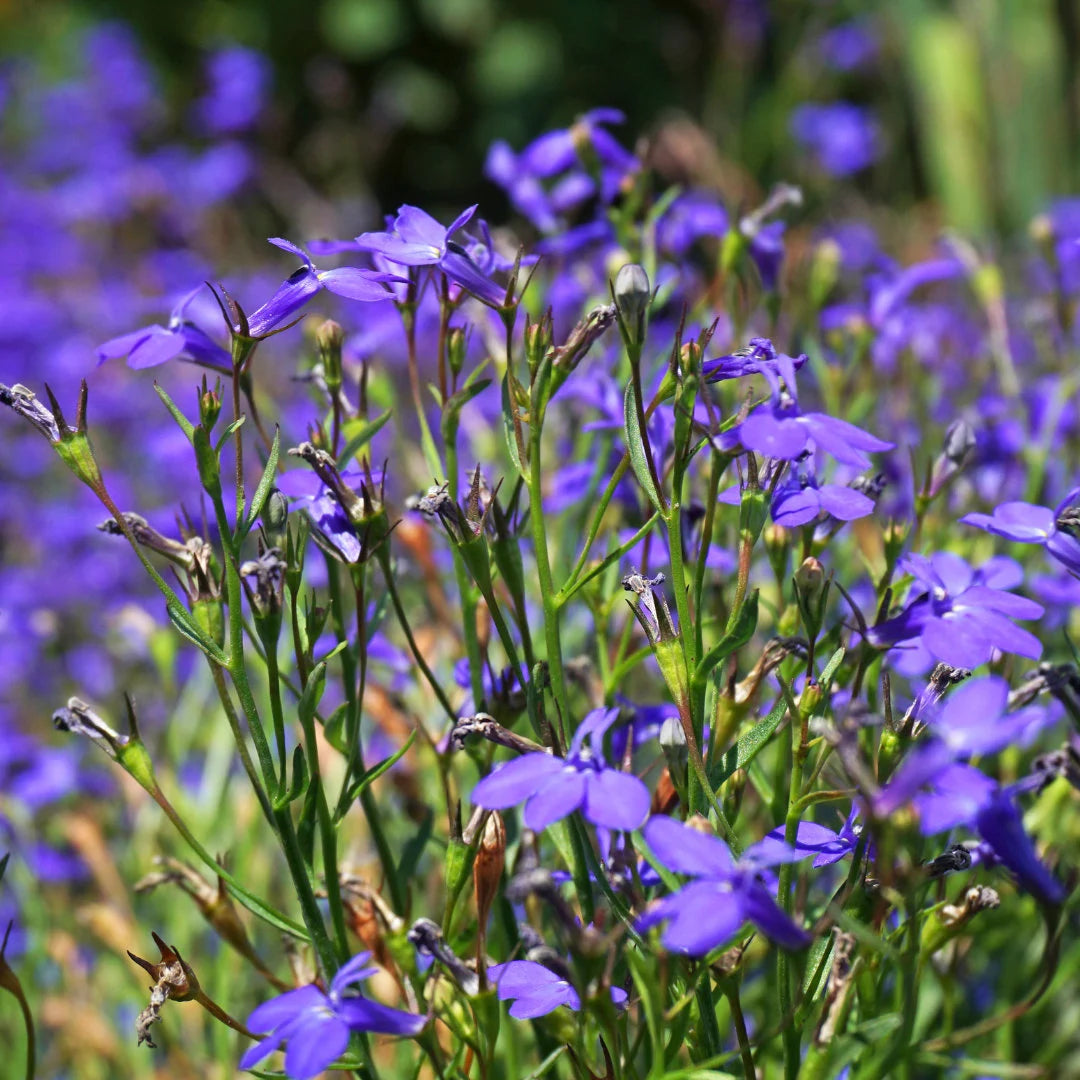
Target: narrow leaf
x=635, y=444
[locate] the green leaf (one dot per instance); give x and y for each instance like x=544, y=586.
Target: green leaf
x=414, y=849
x=515, y=443
x=266, y=484
x=734, y=639
x=186, y=426
x=300, y=780
x=749, y=745
x=181, y=618
x=373, y=774
x=360, y=433
x=635, y=444
x=235, y=426
x=652, y=1005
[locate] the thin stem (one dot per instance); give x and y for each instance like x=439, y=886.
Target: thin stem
x=418, y=656
x=731, y=990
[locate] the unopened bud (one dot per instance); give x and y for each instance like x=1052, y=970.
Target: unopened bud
x=810, y=577
x=632, y=297
x=455, y=349
x=329, y=338
x=209, y=404
x=673, y=744
x=274, y=517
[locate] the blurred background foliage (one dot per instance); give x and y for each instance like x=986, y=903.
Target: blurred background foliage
x=977, y=101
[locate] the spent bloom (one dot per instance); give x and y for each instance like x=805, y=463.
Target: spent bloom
x=317, y=1026
x=725, y=895
x=963, y=614
x=556, y=787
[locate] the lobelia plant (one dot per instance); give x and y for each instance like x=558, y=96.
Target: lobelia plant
x=739, y=851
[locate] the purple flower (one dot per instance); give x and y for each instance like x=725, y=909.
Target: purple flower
x=354, y=283
x=843, y=138
x=1026, y=523
x=777, y=429
x=155, y=344
x=964, y=614
x=555, y=787
x=547, y=179
x=848, y=46
x=826, y=846
x=317, y=1026
x=802, y=499
x=726, y=894
x=537, y=990
x=758, y=358
x=417, y=239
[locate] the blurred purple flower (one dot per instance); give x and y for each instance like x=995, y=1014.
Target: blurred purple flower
x=843, y=138
x=849, y=46
x=317, y=1026
x=238, y=80
x=555, y=787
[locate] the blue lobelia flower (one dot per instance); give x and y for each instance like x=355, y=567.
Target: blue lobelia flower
x=556, y=787
x=156, y=344
x=1027, y=523
x=726, y=894
x=760, y=357
x=317, y=1026
x=802, y=499
x=351, y=282
x=417, y=239
x=536, y=990
x=963, y=615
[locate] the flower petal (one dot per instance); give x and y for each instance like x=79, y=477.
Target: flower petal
x=615, y=800
x=515, y=781
x=685, y=850
x=557, y=797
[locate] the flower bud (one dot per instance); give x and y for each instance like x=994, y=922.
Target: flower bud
x=456, y=342
x=632, y=297
x=329, y=338
x=209, y=404
x=274, y=517
x=673, y=744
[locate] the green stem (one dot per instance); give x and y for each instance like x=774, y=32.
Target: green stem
x=286, y=829
x=548, y=598
x=418, y=656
